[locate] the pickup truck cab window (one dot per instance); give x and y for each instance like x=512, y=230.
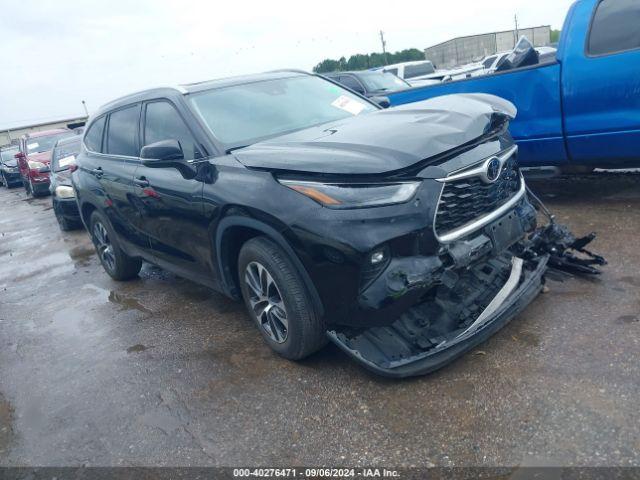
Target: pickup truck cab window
x=163, y=122
x=122, y=132
x=352, y=83
x=412, y=71
x=93, y=137
x=615, y=27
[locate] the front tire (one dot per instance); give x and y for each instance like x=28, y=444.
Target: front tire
x=115, y=262
x=278, y=301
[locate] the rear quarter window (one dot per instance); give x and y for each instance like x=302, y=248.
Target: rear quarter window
x=615, y=27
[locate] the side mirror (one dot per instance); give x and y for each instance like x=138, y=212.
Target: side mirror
x=166, y=154
x=382, y=101
x=19, y=155
x=160, y=152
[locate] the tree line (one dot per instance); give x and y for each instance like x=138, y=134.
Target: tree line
x=370, y=60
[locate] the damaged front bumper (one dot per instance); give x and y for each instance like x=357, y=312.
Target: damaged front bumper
x=451, y=322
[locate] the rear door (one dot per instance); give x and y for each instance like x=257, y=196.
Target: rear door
x=601, y=82
x=115, y=170
x=171, y=212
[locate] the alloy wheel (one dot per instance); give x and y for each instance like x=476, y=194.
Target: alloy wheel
x=104, y=246
x=266, y=302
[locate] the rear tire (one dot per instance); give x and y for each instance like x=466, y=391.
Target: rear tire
x=115, y=262
x=278, y=300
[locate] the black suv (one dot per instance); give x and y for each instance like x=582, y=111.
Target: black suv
x=397, y=234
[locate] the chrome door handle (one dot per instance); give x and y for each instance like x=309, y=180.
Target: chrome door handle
x=141, y=182
x=97, y=172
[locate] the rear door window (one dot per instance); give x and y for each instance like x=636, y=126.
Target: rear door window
x=615, y=27
x=93, y=137
x=163, y=122
x=122, y=133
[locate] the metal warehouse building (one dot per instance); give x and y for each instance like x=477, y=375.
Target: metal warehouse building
x=9, y=135
x=462, y=50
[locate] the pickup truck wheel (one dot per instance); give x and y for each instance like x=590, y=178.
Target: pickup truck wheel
x=277, y=300
x=116, y=263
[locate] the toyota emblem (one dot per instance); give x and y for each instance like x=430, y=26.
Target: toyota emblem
x=493, y=170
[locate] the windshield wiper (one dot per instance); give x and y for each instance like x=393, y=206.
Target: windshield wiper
x=232, y=149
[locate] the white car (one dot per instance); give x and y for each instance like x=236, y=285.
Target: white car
x=417, y=73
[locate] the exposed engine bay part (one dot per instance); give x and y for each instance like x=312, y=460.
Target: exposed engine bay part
x=562, y=246
x=460, y=302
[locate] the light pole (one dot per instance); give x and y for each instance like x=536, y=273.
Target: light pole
x=84, y=105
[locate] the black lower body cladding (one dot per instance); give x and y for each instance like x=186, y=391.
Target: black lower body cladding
x=451, y=321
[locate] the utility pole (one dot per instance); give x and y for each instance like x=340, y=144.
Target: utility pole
x=84, y=105
x=384, y=47
x=515, y=17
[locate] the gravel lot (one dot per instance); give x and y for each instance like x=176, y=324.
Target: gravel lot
x=161, y=371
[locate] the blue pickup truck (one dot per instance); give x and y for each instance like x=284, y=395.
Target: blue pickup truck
x=582, y=109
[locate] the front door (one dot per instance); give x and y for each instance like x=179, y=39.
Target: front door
x=171, y=211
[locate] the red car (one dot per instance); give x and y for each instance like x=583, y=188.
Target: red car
x=34, y=158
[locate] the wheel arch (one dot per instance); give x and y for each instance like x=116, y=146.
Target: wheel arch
x=233, y=232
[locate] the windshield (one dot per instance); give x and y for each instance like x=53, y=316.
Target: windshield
x=45, y=143
x=240, y=115
x=7, y=156
x=382, y=81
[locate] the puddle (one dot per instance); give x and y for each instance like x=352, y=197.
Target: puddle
x=123, y=301
x=127, y=303
x=81, y=255
x=137, y=348
x=627, y=319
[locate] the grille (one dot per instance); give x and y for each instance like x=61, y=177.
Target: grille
x=467, y=199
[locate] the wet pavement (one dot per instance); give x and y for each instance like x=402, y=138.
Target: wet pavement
x=161, y=371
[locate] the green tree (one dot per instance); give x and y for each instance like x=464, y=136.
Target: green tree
x=362, y=61
x=555, y=36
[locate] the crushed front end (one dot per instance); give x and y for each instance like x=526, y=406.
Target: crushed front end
x=418, y=313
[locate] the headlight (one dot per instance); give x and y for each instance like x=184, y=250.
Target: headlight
x=341, y=195
x=33, y=165
x=62, y=191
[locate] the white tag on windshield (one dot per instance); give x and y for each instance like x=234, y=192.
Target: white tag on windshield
x=348, y=105
x=31, y=146
x=63, y=162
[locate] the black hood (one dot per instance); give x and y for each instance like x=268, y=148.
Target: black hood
x=382, y=141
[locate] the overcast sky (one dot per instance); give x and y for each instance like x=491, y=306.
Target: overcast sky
x=56, y=53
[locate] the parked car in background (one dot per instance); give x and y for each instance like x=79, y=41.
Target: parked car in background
x=400, y=234
x=9, y=172
x=579, y=110
x=34, y=157
x=417, y=73
x=373, y=85
x=63, y=196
